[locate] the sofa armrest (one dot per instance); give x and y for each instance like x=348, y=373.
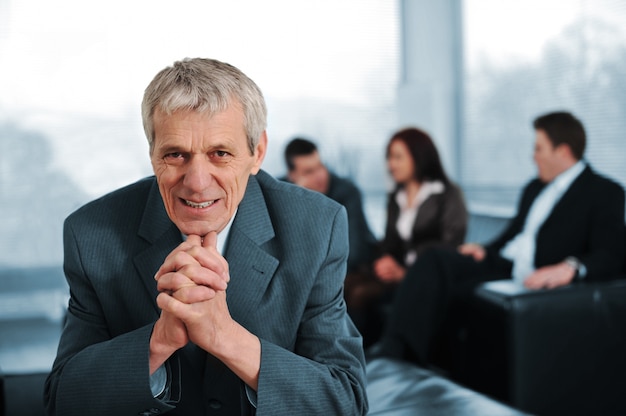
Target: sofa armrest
x=507, y=293
x=568, y=341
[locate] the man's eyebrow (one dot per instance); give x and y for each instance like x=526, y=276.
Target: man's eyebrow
x=178, y=148
x=223, y=144
x=171, y=148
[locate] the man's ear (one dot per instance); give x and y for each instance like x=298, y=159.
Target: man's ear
x=260, y=152
x=564, y=150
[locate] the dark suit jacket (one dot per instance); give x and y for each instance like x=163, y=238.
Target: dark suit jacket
x=441, y=222
x=587, y=222
x=287, y=253
x=362, y=241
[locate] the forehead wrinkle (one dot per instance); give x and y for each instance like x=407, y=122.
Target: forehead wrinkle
x=214, y=137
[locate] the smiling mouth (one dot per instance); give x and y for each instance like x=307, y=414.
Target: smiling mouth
x=199, y=204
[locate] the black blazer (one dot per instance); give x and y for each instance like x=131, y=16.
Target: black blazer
x=588, y=223
x=441, y=221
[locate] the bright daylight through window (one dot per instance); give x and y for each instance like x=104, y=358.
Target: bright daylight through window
x=527, y=58
x=72, y=84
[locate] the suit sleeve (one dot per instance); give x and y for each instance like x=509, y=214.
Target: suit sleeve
x=362, y=241
x=449, y=224
x=94, y=372
x=324, y=375
x=453, y=218
x=604, y=256
x=391, y=243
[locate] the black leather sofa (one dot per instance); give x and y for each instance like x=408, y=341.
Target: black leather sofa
x=556, y=352
x=547, y=352
x=397, y=388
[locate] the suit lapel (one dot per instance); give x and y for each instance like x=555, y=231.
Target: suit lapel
x=251, y=267
x=570, y=196
x=161, y=234
x=427, y=215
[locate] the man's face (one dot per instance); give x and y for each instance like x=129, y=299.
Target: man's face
x=547, y=157
x=310, y=172
x=202, y=166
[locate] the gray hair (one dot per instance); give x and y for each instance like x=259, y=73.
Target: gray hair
x=204, y=85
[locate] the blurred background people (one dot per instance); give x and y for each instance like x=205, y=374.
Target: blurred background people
x=569, y=227
x=305, y=168
x=425, y=209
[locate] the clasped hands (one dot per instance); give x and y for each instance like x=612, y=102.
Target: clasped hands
x=192, y=283
x=388, y=270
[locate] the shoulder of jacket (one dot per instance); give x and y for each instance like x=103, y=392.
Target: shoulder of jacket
x=123, y=198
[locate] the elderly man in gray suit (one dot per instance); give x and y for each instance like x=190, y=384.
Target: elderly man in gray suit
x=210, y=288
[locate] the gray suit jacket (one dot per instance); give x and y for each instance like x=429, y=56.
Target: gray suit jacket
x=287, y=253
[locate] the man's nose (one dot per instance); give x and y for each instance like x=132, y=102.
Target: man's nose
x=199, y=173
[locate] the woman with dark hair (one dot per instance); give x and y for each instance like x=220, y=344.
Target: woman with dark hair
x=424, y=209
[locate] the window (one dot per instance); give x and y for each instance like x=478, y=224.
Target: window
x=523, y=59
x=74, y=74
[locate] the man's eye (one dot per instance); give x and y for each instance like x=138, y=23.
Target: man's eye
x=174, y=158
x=220, y=156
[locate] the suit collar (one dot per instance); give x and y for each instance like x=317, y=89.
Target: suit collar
x=253, y=218
x=252, y=215
x=162, y=235
x=576, y=185
x=251, y=266
x=569, y=197
x=155, y=220
x=565, y=179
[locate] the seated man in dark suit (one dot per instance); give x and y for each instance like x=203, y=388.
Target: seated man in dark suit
x=305, y=168
x=569, y=227
x=211, y=287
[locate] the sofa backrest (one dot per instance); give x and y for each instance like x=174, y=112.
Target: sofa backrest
x=482, y=228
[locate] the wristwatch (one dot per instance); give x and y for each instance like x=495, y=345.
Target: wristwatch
x=579, y=268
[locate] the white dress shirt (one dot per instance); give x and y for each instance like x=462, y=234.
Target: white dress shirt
x=408, y=214
x=521, y=249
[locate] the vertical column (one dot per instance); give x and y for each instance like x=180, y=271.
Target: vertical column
x=430, y=90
